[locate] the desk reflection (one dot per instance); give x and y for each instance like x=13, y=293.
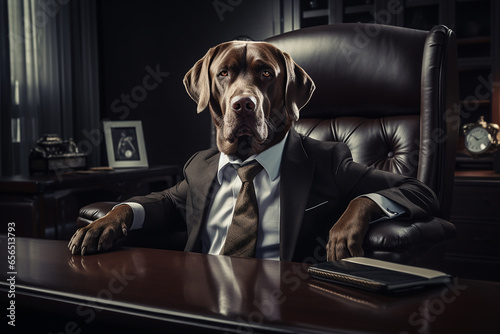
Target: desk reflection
x=223, y=285
x=235, y=286
x=89, y=266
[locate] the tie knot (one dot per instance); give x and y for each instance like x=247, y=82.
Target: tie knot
x=248, y=172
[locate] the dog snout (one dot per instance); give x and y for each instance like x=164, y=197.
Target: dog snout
x=243, y=104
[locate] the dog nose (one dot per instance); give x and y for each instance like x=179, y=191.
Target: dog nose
x=243, y=104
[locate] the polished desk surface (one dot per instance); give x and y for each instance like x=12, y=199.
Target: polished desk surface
x=140, y=289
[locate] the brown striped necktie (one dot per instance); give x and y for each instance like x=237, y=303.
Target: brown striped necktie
x=241, y=237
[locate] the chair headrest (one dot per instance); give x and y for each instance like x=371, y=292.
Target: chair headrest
x=359, y=69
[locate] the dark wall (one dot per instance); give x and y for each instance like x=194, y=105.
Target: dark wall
x=138, y=38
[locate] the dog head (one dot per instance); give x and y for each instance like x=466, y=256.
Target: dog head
x=254, y=92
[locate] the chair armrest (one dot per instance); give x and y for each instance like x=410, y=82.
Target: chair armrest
x=404, y=241
x=93, y=211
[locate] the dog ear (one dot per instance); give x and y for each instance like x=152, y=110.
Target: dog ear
x=299, y=87
x=197, y=81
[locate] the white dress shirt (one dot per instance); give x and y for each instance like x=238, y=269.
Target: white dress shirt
x=267, y=191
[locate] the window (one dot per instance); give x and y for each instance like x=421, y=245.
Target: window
x=50, y=91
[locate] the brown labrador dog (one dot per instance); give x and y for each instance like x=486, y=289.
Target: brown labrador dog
x=254, y=92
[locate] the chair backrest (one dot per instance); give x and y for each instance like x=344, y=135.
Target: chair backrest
x=389, y=93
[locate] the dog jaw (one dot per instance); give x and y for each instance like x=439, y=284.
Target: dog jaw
x=251, y=125
x=241, y=143
x=245, y=146
x=276, y=127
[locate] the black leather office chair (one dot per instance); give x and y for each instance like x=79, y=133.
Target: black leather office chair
x=392, y=96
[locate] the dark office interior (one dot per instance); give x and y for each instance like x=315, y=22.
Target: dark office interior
x=72, y=71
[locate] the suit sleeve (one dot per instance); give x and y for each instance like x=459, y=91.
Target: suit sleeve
x=165, y=209
x=354, y=179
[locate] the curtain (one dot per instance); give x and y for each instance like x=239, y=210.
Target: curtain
x=53, y=77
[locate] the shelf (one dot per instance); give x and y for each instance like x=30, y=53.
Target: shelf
x=358, y=9
x=480, y=102
x=474, y=63
x=477, y=174
x=474, y=47
x=473, y=40
x=467, y=164
x=420, y=3
x=308, y=14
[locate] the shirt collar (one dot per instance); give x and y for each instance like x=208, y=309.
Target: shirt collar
x=270, y=160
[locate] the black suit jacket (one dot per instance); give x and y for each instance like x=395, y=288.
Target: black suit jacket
x=318, y=180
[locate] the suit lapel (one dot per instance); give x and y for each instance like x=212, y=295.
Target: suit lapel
x=201, y=194
x=297, y=172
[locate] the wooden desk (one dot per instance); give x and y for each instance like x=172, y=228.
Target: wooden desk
x=141, y=290
x=46, y=206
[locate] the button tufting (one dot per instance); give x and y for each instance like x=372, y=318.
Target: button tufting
x=390, y=154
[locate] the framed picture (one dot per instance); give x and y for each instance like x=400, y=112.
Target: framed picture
x=125, y=144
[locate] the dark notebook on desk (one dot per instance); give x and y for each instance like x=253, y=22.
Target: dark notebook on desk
x=376, y=275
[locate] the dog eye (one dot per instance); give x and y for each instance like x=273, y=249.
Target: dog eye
x=223, y=73
x=267, y=74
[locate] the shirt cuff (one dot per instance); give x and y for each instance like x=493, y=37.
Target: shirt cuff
x=139, y=214
x=390, y=208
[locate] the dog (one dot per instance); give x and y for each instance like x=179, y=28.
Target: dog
x=254, y=92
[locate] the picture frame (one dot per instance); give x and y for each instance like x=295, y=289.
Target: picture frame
x=125, y=144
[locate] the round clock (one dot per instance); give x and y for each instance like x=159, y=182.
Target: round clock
x=481, y=137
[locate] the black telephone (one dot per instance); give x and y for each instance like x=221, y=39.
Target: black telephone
x=52, y=153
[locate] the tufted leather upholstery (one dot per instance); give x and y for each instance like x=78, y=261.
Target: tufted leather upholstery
x=393, y=98
x=387, y=143
x=389, y=93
